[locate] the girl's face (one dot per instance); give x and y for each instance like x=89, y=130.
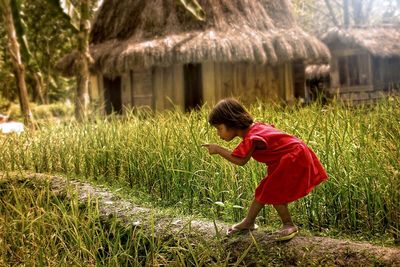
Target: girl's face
x=224, y=132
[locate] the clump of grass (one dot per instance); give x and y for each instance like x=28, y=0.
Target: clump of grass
x=161, y=156
x=40, y=228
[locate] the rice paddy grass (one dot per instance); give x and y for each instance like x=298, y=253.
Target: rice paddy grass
x=41, y=228
x=159, y=157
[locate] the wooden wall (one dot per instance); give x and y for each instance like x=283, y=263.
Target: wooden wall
x=367, y=71
x=94, y=92
x=386, y=73
x=168, y=87
x=162, y=88
x=248, y=82
x=126, y=89
x=156, y=88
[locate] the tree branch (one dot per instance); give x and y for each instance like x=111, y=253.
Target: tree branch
x=369, y=9
x=331, y=12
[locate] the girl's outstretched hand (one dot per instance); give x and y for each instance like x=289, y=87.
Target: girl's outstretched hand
x=212, y=148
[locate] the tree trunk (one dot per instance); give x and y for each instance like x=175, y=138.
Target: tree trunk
x=358, y=14
x=332, y=13
x=82, y=92
x=39, y=87
x=258, y=248
x=18, y=66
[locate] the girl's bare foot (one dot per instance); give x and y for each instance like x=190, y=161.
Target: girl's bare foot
x=287, y=232
x=243, y=225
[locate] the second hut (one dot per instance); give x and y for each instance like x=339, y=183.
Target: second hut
x=365, y=63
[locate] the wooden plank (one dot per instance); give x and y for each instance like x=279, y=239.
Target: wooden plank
x=126, y=90
x=168, y=88
x=241, y=81
x=218, y=82
x=273, y=83
x=289, y=90
x=344, y=50
x=208, y=77
x=250, y=91
x=360, y=88
x=94, y=88
x=227, y=80
x=281, y=83
x=158, y=88
x=142, y=88
x=260, y=82
x=100, y=80
x=178, y=86
x=335, y=81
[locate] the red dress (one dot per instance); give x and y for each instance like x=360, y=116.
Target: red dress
x=293, y=168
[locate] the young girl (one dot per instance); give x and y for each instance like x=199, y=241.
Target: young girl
x=293, y=169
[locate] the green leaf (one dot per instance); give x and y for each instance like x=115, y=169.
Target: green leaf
x=219, y=203
x=69, y=10
x=194, y=8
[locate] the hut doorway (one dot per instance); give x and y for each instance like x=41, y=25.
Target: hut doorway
x=193, y=86
x=112, y=95
x=299, y=80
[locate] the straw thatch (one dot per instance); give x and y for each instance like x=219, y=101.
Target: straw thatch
x=317, y=71
x=139, y=33
x=380, y=42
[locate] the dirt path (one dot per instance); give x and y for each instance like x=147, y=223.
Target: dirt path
x=255, y=248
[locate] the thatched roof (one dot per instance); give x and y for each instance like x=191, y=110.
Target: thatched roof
x=317, y=71
x=381, y=42
x=141, y=33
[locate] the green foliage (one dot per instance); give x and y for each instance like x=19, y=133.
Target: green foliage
x=67, y=8
x=5, y=105
x=42, y=113
x=49, y=42
x=43, y=228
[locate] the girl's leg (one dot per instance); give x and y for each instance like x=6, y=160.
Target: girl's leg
x=249, y=221
x=288, y=226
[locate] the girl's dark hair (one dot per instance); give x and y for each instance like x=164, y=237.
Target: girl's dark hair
x=231, y=113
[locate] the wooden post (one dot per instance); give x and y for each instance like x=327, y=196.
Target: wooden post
x=208, y=73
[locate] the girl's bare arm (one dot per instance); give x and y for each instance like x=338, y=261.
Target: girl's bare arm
x=227, y=154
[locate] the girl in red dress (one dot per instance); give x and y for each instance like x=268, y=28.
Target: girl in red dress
x=293, y=168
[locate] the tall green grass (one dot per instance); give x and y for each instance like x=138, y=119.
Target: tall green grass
x=161, y=155
x=40, y=228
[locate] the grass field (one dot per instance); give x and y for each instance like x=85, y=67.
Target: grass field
x=41, y=228
x=159, y=158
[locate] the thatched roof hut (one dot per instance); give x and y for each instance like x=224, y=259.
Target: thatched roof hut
x=379, y=42
x=365, y=61
x=132, y=34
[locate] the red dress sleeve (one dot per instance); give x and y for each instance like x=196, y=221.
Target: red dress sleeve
x=243, y=149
